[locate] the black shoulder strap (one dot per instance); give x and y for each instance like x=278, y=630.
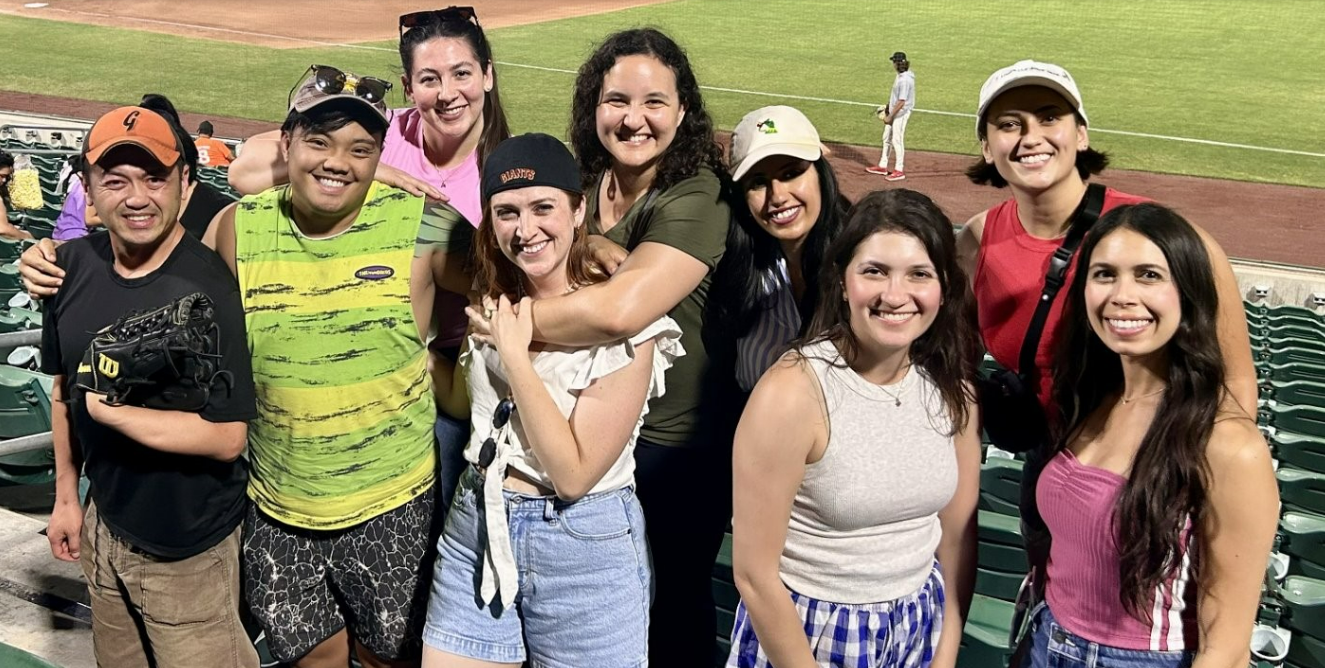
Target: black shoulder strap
x=1088, y=211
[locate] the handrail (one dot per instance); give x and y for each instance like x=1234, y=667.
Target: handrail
x=26, y=337
x=29, y=443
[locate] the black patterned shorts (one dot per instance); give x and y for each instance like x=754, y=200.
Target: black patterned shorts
x=303, y=586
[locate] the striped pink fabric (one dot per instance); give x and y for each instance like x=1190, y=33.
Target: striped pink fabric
x=1077, y=502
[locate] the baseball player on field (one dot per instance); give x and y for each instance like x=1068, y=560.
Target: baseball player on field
x=159, y=540
x=895, y=115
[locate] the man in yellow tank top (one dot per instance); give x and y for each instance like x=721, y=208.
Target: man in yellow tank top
x=338, y=275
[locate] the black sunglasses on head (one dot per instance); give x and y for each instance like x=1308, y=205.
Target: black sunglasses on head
x=488, y=453
x=333, y=81
x=434, y=16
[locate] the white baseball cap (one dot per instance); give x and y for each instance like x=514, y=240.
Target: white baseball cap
x=776, y=130
x=1029, y=73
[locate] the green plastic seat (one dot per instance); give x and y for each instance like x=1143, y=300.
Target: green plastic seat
x=25, y=403
x=13, y=657
x=1298, y=451
x=725, y=595
x=1304, y=599
x=1291, y=351
x=998, y=584
x=1298, y=393
x=1001, y=548
x=985, y=638
x=1305, y=651
x=1303, y=536
x=1000, y=486
x=1302, y=491
x=1303, y=420
x=18, y=319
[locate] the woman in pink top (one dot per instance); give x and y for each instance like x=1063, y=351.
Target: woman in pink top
x=434, y=148
x=1160, y=497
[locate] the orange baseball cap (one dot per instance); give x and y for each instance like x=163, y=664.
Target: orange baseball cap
x=133, y=125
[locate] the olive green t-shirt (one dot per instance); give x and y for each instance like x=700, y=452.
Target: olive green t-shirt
x=692, y=217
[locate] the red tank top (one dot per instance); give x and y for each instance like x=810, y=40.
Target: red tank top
x=1009, y=275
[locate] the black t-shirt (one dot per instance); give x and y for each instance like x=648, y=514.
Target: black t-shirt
x=170, y=505
x=204, y=204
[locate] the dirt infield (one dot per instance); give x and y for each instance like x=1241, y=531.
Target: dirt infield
x=286, y=24
x=1254, y=221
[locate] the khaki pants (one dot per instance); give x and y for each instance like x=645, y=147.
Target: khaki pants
x=183, y=613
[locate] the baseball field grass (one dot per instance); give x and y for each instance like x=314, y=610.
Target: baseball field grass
x=1212, y=70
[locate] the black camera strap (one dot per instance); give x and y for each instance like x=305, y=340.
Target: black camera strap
x=1088, y=211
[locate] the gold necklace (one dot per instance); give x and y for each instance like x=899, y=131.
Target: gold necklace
x=1149, y=394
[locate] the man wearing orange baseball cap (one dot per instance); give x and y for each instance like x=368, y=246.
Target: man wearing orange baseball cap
x=159, y=540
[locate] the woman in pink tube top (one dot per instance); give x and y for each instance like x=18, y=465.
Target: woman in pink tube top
x=1160, y=498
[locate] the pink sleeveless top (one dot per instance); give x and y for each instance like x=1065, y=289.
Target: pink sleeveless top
x=1077, y=502
x=404, y=151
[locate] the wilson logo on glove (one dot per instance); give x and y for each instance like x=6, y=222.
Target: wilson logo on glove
x=108, y=367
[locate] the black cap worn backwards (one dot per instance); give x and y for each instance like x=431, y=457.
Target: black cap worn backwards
x=533, y=159
x=898, y=56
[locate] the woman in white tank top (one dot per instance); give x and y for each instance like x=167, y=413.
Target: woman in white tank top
x=857, y=459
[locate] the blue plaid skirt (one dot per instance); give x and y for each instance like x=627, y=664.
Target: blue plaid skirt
x=902, y=633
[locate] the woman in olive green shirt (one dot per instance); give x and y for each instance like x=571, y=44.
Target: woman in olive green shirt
x=653, y=181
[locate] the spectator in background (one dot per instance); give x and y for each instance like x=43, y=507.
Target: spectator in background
x=8, y=230
x=211, y=152
x=900, y=103
x=77, y=214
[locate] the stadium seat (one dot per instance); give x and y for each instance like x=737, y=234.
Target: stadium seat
x=1297, y=393
x=1303, y=536
x=1304, y=600
x=25, y=403
x=1305, y=651
x=1000, y=486
x=1001, y=546
x=1298, y=451
x=1302, y=491
x=1303, y=420
x=985, y=638
x=13, y=657
x=16, y=319
x=1291, y=351
x=725, y=594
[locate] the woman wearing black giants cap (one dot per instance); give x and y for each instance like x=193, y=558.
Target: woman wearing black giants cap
x=543, y=556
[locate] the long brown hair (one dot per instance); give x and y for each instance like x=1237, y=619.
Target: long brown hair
x=1166, y=491
x=497, y=275
x=948, y=351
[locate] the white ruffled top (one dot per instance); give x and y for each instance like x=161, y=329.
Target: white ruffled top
x=565, y=371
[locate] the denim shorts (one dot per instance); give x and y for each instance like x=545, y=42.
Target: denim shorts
x=1053, y=646
x=584, y=581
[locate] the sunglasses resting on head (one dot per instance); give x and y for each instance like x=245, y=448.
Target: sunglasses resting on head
x=432, y=16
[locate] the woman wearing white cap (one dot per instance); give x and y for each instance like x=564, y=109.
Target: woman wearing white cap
x=1033, y=136
x=790, y=209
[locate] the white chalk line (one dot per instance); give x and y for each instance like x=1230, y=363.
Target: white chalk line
x=736, y=91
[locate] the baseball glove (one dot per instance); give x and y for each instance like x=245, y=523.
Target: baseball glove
x=166, y=358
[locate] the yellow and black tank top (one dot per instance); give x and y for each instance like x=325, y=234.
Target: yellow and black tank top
x=345, y=411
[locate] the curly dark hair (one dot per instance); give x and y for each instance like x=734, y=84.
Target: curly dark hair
x=949, y=350
x=739, y=294
x=1166, y=491
x=495, y=128
x=694, y=146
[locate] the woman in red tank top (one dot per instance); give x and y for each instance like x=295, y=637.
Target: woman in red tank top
x=1160, y=496
x=1034, y=140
